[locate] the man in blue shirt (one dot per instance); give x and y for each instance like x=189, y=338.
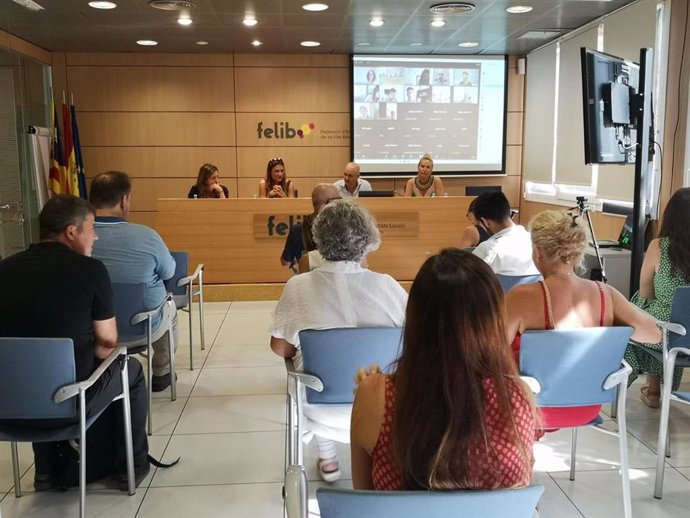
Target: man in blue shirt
x=134, y=254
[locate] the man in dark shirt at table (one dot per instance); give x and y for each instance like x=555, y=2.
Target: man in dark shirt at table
x=55, y=289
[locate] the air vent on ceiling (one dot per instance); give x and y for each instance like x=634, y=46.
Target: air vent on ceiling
x=539, y=35
x=172, y=5
x=451, y=8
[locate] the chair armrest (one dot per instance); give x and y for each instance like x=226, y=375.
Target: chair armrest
x=69, y=391
x=670, y=326
x=308, y=380
x=190, y=278
x=617, y=377
x=145, y=315
x=532, y=383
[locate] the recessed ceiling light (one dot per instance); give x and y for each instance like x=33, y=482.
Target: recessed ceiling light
x=184, y=20
x=315, y=7
x=202, y=43
x=363, y=44
x=438, y=23
x=250, y=22
x=519, y=9
x=147, y=43
x=376, y=22
x=452, y=8
x=415, y=44
x=468, y=44
x=257, y=43
x=103, y=5
x=309, y=43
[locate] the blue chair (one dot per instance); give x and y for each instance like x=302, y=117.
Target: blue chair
x=675, y=353
x=135, y=331
x=38, y=381
x=579, y=367
x=181, y=286
x=508, y=282
x=330, y=360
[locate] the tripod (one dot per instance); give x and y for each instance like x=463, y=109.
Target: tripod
x=597, y=274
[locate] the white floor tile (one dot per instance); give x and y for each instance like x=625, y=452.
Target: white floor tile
x=259, y=306
x=232, y=458
x=224, y=414
x=217, y=501
x=241, y=381
x=101, y=504
x=26, y=459
x=554, y=503
x=185, y=382
x=242, y=356
x=166, y=414
x=647, y=431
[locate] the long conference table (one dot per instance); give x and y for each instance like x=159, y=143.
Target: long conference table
x=240, y=240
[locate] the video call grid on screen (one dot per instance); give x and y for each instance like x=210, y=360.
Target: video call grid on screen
x=451, y=107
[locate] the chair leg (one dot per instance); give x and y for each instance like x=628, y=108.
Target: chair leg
x=573, y=447
x=149, y=376
x=614, y=404
x=623, y=447
x=662, y=447
x=82, y=453
x=667, y=453
x=127, y=415
x=171, y=351
x=15, y=470
x=201, y=309
x=189, y=310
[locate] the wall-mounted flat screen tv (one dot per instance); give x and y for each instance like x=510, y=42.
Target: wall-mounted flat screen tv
x=450, y=107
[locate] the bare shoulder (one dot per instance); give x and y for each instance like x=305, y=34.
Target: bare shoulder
x=523, y=293
x=262, y=182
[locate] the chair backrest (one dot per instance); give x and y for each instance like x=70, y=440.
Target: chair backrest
x=680, y=314
x=129, y=300
x=571, y=365
x=510, y=281
x=334, y=355
x=181, y=268
x=31, y=371
x=497, y=503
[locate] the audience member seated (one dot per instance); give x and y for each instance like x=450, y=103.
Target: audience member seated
x=55, y=289
x=454, y=414
x=208, y=184
x=351, y=184
x=134, y=254
x=338, y=294
x=565, y=301
x=475, y=233
x=276, y=184
x=299, y=239
x=666, y=266
x=509, y=250
x=425, y=183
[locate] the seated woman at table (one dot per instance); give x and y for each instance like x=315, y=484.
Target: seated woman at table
x=425, y=183
x=208, y=184
x=276, y=184
x=340, y=293
x=474, y=233
x=565, y=301
x=666, y=266
x=454, y=414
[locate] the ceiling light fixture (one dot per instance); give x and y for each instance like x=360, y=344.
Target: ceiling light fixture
x=468, y=44
x=29, y=4
x=376, y=22
x=103, y=5
x=147, y=43
x=415, y=44
x=184, y=20
x=519, y=9
x=250, y=21
x=309, y=43
x=257, y=43
x=452, y=8
x=202, y=43
x=172, y=5
x=438, y=23
x=314, y=7
x=363, y=44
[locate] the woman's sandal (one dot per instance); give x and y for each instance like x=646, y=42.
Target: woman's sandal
x=649, y=398
x=331, y=475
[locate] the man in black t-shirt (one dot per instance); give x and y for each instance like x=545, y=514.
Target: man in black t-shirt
x=55, y=289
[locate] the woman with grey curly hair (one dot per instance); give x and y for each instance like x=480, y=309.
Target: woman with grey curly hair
x=339, y=293
x=565, y=301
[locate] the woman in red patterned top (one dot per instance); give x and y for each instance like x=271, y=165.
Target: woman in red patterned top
x=454, y=414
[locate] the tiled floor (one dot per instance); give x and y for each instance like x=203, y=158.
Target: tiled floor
x=227, y=426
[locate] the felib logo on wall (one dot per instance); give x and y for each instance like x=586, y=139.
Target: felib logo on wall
x=283, y=130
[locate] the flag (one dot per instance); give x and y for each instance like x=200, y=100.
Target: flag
x=70, y=158
x=81, y=174
x=57, y=179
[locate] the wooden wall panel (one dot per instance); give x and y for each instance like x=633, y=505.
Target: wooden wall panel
x=514, y=129
x=310, y=90
x=156, y=129
x=161, y=162
x=157, y=89
x=292, y=60
x=299, y=162
x=148, y=60
x=329, y=129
